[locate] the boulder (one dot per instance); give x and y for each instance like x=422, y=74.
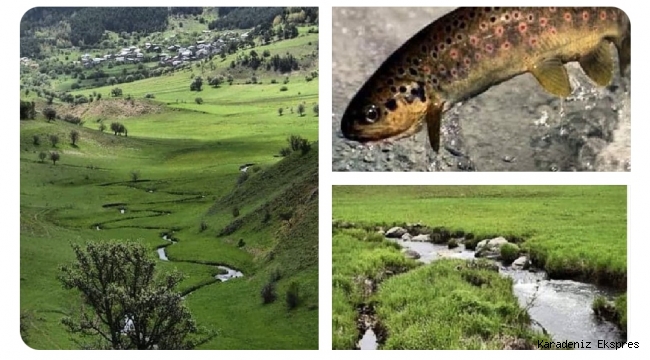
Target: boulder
x=422, y=237
x=490, y=248
x=521, y=263
x=395, y=233
x=411, y=254
x=407, y=237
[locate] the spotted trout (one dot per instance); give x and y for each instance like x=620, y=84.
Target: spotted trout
x=469, y=50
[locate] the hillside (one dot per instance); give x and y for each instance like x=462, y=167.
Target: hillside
x=163, y=155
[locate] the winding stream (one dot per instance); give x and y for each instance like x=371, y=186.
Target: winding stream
x=561, y=307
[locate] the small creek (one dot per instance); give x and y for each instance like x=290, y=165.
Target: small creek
x=230, y=273
x=561, y=307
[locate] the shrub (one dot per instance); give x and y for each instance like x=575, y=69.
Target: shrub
x=235, y=211
x=305, y=147
x=198, y=100
x=452, y=244
x=49, y=113
x=284, y=88
x=115, y=92
x=203, y=226
x=102, y=127
x=36, y=140
x=509, y=253
x=280, y=111
x=241, y=243
x=285, y=152
x=72, y=119
x=301, y=109
x=135, y=175
x=470, y=244
x=293, y=296
x=42, y=156
x=150, y=96
x=196, y=84
x=316, y=109
x=54, y=139
x=268, y=293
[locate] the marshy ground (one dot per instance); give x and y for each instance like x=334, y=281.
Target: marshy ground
x=407, y=258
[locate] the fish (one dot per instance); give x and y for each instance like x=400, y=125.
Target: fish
x=471, y=49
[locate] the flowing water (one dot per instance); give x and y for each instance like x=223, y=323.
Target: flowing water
x=561, y=307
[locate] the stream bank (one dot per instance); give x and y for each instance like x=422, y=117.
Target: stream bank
x=560, y=308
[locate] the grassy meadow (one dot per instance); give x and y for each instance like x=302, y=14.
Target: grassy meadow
x=187, y=157
x=577, y=232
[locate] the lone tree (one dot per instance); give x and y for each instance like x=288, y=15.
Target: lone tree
x=54, y=156
x=42, y=155
x=196, y=84
x=127, y=304
x=280, y=111
x=118, y=128
x=49, y=114
x=301, y=109
x=54, y=139
x=74, y=136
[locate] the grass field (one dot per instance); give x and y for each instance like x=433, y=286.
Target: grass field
x=570, y=231
x=188, y=157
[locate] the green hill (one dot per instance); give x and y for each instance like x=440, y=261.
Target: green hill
x=176, y=175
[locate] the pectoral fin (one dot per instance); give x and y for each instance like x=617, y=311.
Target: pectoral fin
x=433, y=117
x=624, y=54
x=553, y=77
x=598, y=65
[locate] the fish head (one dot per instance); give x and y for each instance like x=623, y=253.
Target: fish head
x=386, y=108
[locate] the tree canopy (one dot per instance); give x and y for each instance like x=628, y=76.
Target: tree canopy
x=126, y=303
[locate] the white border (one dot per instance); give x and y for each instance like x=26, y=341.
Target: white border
x=638, y=266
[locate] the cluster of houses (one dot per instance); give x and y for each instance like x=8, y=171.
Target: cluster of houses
x=173, y=55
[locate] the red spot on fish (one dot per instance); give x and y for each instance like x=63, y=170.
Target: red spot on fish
x=454, y=72
x=489, y=48
x=505, y=45
x=477, y=56
x=498, y=31
x=533, y=41
x=603, y=15
x=585, y=16
x=567, y=17
x=467, y=61
x=522, y=27
x=552, y=30
x=543, y=22
x=473, y=40
x=453, y=53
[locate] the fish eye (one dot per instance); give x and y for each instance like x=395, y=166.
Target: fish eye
x=372, y=113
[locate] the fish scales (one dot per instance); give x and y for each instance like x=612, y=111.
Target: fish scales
x=470, y=50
